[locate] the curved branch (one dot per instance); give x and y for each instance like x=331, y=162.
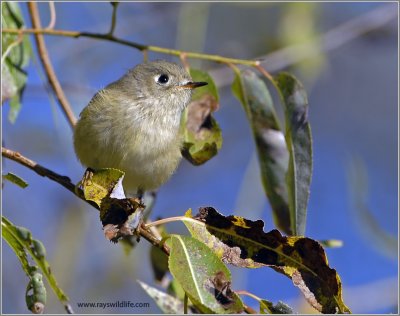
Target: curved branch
x=66, y=183
x=44, y=58
x=141, y=47
x=113, y=17
x=53, y=15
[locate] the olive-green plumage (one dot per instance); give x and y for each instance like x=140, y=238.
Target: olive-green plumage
x=133, y=124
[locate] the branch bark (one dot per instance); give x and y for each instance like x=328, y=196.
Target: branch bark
x=48, y=68
x=141, y=47
x=66, y=183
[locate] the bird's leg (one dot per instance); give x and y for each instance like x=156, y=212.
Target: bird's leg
x=140, y=194
x=87, y=176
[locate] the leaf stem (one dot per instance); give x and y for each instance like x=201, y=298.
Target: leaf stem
x=53, y=16
x=10, y=47
x=249, y=310
x=243, y=292
x=172, y=219
x=185, y=304
x=113, y=17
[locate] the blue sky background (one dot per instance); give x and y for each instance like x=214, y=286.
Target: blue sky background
x=353, y=99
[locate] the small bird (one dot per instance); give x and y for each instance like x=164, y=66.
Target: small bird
x=133, y=125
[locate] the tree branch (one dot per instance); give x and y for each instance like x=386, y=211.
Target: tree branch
x=141, y=47
x=48, y=68
x=66, y=183
x=40, y=170
x=277, y=60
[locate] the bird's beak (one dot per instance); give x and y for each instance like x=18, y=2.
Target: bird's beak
x=193, y=85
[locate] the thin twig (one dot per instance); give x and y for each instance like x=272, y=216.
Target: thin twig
x=44, y=57
x=249, y=310
x=183, y=58
x=242, y=292
x=66, y=183
x=10, y=47
x=264, y=72
x=40, y=170
x=113, y=17
x=145, y=53
x=141, y=47
x=173, y=219
x=274, y=61
x=53, y=16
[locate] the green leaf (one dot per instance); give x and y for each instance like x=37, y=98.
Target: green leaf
x=21, y=241
x=203, y=276
x=299, y=142
x=158, y=259
x=35, y=294
x=16, y=180
x=242, y=242
x=167, y=303
x=210, y=89
x=120, y=216
x=15, y=57
x=128, y=243
x=176, y=290
x=272, y=152
x=202, y=135
x=16, y=246
x=159, y=263
x=223, y=251
x=98, y=184
x=15, y=107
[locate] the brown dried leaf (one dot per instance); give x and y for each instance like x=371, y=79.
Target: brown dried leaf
x=247, y=245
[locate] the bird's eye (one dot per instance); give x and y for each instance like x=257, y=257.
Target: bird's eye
x=163, y=79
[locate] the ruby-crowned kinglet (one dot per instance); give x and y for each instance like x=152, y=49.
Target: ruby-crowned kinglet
x=133, y=124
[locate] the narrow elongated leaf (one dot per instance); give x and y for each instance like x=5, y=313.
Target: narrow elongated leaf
x=244, y=243
x=202, y=135
x=35, y=295
x=15, y=54
x=16, y=246
x=273, y=156
x=16, y=180
x=167, y=303
x=21, y=241
x=203, y=276
x=158, y=259
x=299, y=144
